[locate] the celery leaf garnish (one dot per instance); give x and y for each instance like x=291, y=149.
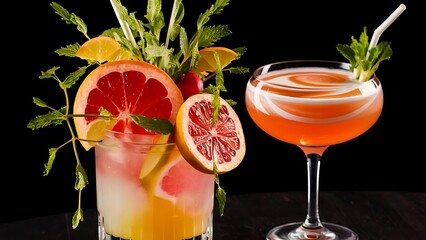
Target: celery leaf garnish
x=364, y=61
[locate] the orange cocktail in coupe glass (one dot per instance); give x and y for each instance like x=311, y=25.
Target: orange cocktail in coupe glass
x=313, y=105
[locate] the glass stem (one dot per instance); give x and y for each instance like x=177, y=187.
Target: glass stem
x=313, y=164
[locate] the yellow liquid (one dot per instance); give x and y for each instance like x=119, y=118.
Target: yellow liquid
x=164, y=220
x=174, y=202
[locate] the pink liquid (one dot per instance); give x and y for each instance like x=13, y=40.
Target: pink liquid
x=172, y=201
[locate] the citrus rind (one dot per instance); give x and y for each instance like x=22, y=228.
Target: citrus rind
x=122, y=122
x=102, y=49
x=207, y=63
x=202, y=144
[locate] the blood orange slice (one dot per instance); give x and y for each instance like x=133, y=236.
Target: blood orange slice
x=122, y=88
x=201, y=143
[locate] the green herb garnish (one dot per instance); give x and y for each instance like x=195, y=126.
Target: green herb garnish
x=149, y=46
x=364, y=61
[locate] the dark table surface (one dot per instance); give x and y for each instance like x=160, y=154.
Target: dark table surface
x=372, y=215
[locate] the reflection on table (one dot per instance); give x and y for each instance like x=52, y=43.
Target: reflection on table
x=372, y=215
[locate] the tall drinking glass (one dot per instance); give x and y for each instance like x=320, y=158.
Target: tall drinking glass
x=146, y=190
x=312, y=104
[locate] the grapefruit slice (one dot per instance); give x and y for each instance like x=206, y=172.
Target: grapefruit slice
x=200, y=143
x=174, y=180
x=179, y=189
x=181, y=178
x=122, y=88
x=102, y=49
x=175, y=177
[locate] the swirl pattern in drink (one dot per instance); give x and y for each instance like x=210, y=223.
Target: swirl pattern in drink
x=312, y=104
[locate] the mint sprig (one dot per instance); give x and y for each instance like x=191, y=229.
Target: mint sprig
x=151, y=47
x=63, y=115
x=364, y=65
x=58, y=117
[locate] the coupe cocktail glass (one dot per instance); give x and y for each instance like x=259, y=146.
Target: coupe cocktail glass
x=146, y=190
x=312, y=104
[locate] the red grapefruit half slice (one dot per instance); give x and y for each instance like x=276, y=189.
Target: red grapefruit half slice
x=124, y=87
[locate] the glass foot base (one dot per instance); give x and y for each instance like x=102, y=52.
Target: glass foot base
x=295, y=231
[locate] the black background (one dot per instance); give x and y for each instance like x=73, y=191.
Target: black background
x=387, y=157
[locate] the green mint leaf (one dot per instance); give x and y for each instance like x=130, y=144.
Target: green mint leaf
x=194, y=58
x=157, y=51
x=238, y=70
x=210, y=35
x=55, y=117
x=183, y=41
x=70, y=18
x=69, y=50
x=220, y=80
x=157, y=125
x=112, y=31
x=104, y=112
x=49, y=73
x=155, y=17
x=220, y=192
x=381, y=52
x=216, y=8
x=73, y=77
x=61, y=11
x=49, y=164
x=77, y=217
x=81, y=178
x=221, y=198
x=210, y=89
x=39, y=102
x=347, y=53
x=81, y=26
x=356, y=51
x=240, y=51
x=215, y=105
x=231, y=102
